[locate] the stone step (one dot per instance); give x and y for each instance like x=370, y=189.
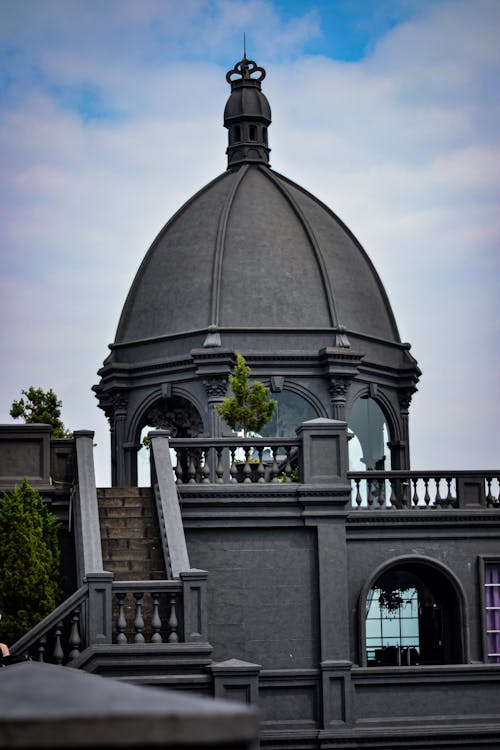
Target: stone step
x=130, y=535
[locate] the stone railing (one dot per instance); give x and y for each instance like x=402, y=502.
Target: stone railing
x=419, y=490
x=112, y=612
x=236, y=460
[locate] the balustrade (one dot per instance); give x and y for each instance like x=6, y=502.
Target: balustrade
x=143, y=612
x=236, y=460
x=147, y=612
x=378, y=490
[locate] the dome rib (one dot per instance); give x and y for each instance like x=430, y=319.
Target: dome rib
x=387, y=305
x=318, y=255
x=220, y=243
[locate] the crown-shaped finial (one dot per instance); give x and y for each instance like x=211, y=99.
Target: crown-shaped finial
x=245, y=69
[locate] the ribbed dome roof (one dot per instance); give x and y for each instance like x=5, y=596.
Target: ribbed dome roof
x=254, y=250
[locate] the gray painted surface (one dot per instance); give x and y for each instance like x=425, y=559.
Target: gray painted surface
x=48, y=706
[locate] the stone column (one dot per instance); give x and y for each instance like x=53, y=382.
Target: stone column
x=338, y=389
x=340, y=365
x=405, y=397
x=120, y=404
x=131, y=450
x=213, y=365
x=216, y=389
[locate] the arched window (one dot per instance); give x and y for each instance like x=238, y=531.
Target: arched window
x=412, y=616
x=368, y=449
x=252, y=133
x=237, y=134
x=291, y=410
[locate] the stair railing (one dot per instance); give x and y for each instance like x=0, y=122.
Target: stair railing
x=167, y=501
x=61, y=636
x=84, y=509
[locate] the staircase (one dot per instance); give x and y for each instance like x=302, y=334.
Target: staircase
x=130, y=534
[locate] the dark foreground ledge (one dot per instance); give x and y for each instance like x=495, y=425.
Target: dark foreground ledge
x=49, y=706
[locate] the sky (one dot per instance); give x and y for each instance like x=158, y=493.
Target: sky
x=387, y=110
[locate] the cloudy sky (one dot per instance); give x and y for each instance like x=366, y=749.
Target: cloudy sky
x=387, y=110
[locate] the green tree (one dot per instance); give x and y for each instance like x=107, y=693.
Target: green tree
x=40, y=407
x=29, y=561
x=249, y=408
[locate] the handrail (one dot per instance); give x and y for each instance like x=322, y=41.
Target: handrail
x=431, y=474
x=234, y=442
x=86, y=510
x=58, y=614
x=147, y=586
x=169, y=513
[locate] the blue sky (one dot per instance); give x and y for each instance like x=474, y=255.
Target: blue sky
x=387, y=110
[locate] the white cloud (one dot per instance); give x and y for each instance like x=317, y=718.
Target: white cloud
x=403, y=145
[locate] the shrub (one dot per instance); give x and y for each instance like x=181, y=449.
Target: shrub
x=249, y=408
x=29, y=561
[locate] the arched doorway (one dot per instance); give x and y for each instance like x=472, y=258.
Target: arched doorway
x=175, y=414
x=368, y=450
x=412, y=616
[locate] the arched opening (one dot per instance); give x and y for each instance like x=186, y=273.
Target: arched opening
x=291, y=410
x=237, y=133
x=368, y=450
x=175, y=414
x=252, y=132
x=412, y=616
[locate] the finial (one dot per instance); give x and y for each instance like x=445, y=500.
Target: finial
x=244, y=46
x=245, y=69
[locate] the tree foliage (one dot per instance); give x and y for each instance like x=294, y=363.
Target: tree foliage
x=249, y=408
x=40, y=407
x=29, y=561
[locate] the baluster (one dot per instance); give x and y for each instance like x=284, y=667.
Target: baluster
x=156, y=620
x=274, y=467
x=191, y=468
x=381, y=493
x=261, y=471
x=369, y=494
x=139, y=621
x=121, y=622
x=449, y=496
x=219, y=469
x=178, y=466
x=405, y=494
x=234, y=469
x=58, y=653
x=438, y=500
x=172, y=621
x=357, y=499
x=205, y=469
x=393, y=498
x=74, y=636
x=489, y=496
x=415, y=499
x=247, y=470
x=427, y=498
x=288, y=466
x=41, y=648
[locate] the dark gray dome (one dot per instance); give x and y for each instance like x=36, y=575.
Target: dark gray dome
x=255, y=250
x=253, y=263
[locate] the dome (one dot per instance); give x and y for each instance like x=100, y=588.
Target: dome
x=253, y=263
x=254, y=250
